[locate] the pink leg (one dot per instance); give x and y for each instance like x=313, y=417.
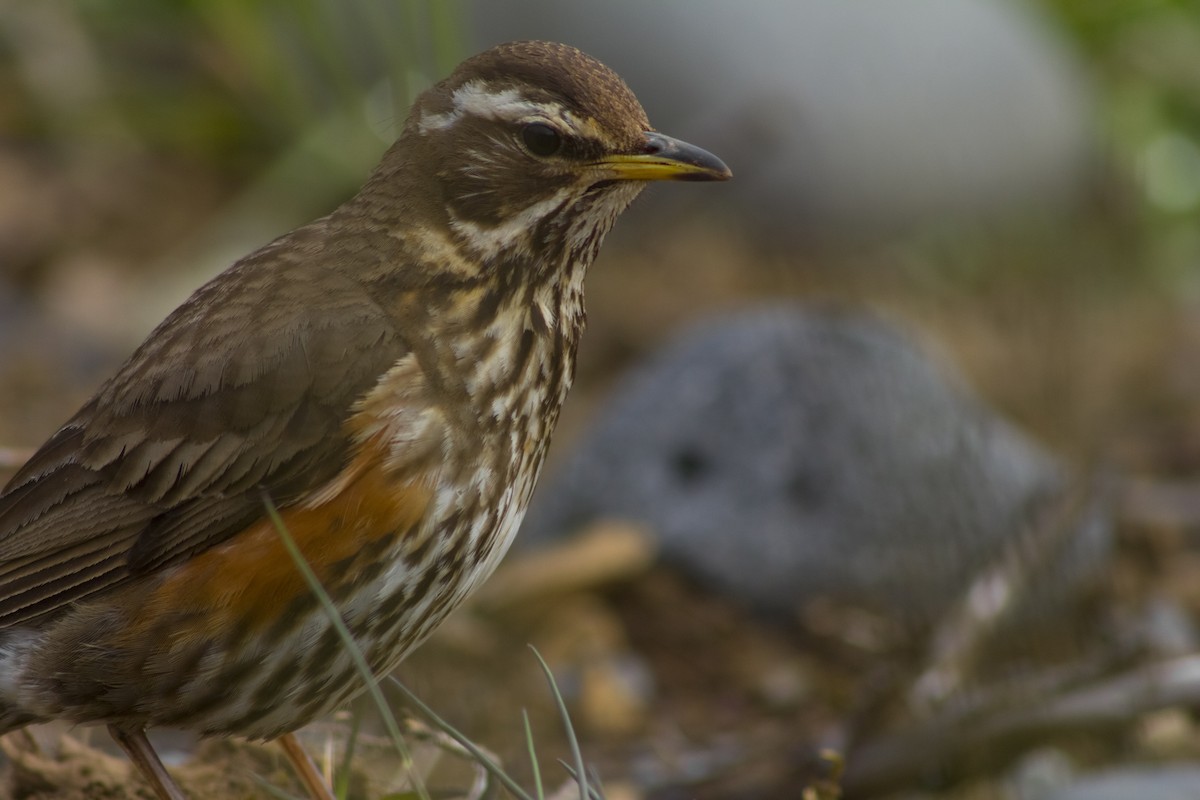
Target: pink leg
x=305, y=769
x=137, y=746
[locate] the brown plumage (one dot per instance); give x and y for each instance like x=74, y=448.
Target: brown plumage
x=388, y=375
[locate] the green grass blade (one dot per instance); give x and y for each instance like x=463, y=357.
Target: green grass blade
x=593, y=792
x=356, y=654
x=538, y=791
x=488, y=764
x=576, y=755
x=341, y=787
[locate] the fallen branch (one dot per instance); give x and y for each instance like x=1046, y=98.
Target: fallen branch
x=997, y=727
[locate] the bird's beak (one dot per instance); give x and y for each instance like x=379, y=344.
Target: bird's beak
x=662, y=158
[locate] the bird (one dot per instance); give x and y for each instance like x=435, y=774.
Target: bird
x=387, y=377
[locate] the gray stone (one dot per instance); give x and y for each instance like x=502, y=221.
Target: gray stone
x=1133, y=783
x=1040, y=773
x=782, y=455
x=862, y=115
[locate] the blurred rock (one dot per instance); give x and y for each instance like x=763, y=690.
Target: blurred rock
x=845, y=116
x=1165, y=627
x=1156, y=782
x=1040, y=773
x=784, y=456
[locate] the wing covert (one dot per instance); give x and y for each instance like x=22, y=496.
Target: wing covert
x=229, y=395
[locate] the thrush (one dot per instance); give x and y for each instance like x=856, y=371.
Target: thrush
x=387, y=376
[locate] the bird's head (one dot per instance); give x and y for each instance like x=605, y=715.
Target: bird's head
x=533, y=147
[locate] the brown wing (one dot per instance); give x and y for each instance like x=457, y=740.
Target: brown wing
x=244, y=387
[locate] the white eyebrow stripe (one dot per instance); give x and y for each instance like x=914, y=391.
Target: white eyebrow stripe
x=476, y=99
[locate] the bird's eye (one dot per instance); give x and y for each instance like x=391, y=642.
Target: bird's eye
x=541, y=139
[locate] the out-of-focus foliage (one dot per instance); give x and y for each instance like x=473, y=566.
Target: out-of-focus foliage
x=228, y=81
x=283, y=105
x=1145, y=55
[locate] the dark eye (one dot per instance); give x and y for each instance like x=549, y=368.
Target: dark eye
x=541, y=139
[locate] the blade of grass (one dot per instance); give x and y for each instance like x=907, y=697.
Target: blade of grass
x=355, y=652
x=593, y=792
x=533, y=759
x=341, y=787
x=576, y=754
x=445, y=727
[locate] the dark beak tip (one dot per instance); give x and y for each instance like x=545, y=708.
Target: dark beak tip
x=710, y=167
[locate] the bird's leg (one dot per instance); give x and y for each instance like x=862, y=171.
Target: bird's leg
x=305, y=769
x=141, y=753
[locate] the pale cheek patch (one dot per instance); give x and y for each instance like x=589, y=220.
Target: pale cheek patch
x=490, y=241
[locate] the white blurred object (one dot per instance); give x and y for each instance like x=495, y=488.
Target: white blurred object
x=846, y=115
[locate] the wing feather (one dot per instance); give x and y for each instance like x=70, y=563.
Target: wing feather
x=246, y=386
